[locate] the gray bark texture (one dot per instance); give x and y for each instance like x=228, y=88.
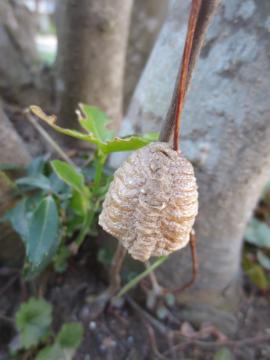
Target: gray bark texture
x=146, y=21
x=12, y=151
x=92, y=39
x=225, y=133
x=22, y=79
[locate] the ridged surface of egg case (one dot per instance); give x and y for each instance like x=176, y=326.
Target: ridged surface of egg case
x=152, y=202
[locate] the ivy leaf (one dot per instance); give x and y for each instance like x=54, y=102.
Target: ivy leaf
x=69, y=174
x=95, y=122
x=43, y=238
x=33, y=320
x=258, y=233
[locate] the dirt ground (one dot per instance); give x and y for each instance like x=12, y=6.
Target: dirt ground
x=127, y=332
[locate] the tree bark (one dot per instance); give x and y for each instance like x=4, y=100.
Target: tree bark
x=92, y=38
x=225, y=134
x=12, y=151
x=23, y=81
x=146, y=21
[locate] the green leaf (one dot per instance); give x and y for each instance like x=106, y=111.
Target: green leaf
x=105, y=256
x=70, y=335
x=43, y=238
x=95, y=122
x=18, y=218
x=33, y=320
x=223, y=354
x=79, y=203
x=67, y=341
x=52, y=352
x=258, y=233
x=264, y=260
x=69, y=174
x=257, y=276
x=36, y=167
x=130, y=143
x=51, y=119
x=60, y=260
x=40, y=181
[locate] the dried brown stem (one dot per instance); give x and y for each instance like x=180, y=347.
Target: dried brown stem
x=117, y=262
x=195, y=263
x=184, y=75
x=195, y=38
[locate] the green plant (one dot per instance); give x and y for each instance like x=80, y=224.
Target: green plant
x=33, y=322
x=59, y=200
x=256, y=260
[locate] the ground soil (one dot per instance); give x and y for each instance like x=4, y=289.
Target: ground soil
x=125, y=332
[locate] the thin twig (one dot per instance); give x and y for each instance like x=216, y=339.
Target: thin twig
x=117, y=262
x=7, y=319
x=195, y=264
x=194, y=12
x=204, y=16
x=8, y=284
x=164, y=330
x=142, y=275
x=214, y=344
x=153, y=342
x=48, y=138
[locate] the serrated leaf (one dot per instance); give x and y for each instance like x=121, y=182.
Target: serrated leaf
x=258, y=233
x=43, y=238
x=69, y=174
x=129, y=143
x=264, y=260
x=95, y=122
x=70, y=335
x=40, y=181
x=33, y=320
x=223, y=354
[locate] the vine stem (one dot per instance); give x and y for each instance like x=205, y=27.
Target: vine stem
x=141, y=276
x=201, y=13
x=48, y=138
x=195, y=8
x=117, y=262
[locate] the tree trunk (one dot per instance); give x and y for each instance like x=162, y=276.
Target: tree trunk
x=146, y=21
x=92, y=38
x=23, y=81
x=12, y=151
x=225, y=134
